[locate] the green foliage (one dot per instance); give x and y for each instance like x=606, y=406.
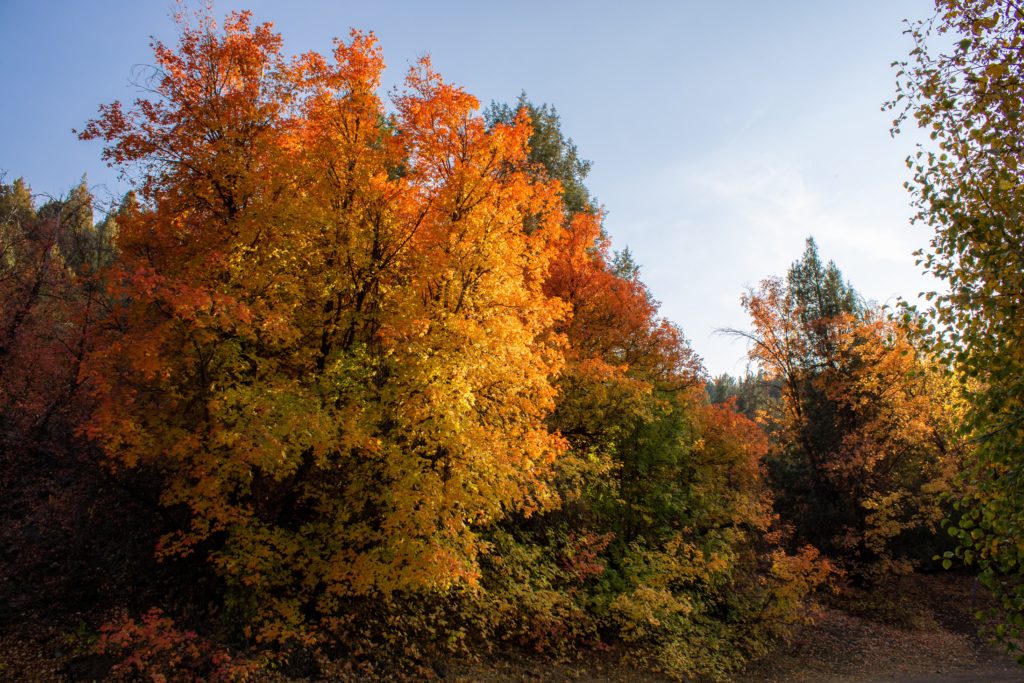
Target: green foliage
x=538, y=587
x=754, y=393
x=550, y=148
x=84, y=246
x=819, y=291
x=968, y=188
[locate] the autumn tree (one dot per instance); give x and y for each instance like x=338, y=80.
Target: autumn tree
x=663, y=497
x=551, y=150
x=964, y=86
x=393, y=383
x=337, y=349
x=63, y=540
x=48, y=312
x=864, y=436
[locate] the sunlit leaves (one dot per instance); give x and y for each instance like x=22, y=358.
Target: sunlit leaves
x=337, y=348
x=864, y=437
x=967, y=188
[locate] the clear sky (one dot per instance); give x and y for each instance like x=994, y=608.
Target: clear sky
x=722, y=133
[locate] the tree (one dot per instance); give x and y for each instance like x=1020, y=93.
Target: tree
x=968, y=188
x=863, y=440
x=752, y=394
x=664, y=500
x=820, y=296
x=336, y=351
x=62, y=530
x=48, y=312
x=551, y=150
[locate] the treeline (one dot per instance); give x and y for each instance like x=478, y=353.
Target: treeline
x=376, y=384
x=864, y=422
x=350, y=388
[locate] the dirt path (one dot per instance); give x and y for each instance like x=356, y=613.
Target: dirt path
x=988, y=674
x=926, y=633
x=847, y=649
x=923, y=632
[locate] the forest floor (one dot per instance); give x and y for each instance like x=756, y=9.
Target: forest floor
x=921, y=631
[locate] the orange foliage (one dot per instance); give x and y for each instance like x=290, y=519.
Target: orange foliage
x=48, y=320
x=904, y=450
x=731, y=475
x=336, y=343
x=614, y=319
x=155, y=649
x=865, y=437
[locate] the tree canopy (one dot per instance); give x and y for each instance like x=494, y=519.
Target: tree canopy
x=964, y=86
x=376, y=389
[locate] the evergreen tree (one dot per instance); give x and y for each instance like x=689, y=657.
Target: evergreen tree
x=72, y=218
x=819, y=295
x=552, y=149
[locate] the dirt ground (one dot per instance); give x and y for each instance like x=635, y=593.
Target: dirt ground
x=927, y=634
x=923, y=631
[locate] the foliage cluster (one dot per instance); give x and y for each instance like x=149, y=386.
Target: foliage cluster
x=964, y=86
x=378, y=382
x=864, y=437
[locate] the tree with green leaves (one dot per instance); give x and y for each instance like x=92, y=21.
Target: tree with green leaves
x=749, y=394
x=820, y=295
x=550, y=148
x=964, y=85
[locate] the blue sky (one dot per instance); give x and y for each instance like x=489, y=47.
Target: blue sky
x=722, y=134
